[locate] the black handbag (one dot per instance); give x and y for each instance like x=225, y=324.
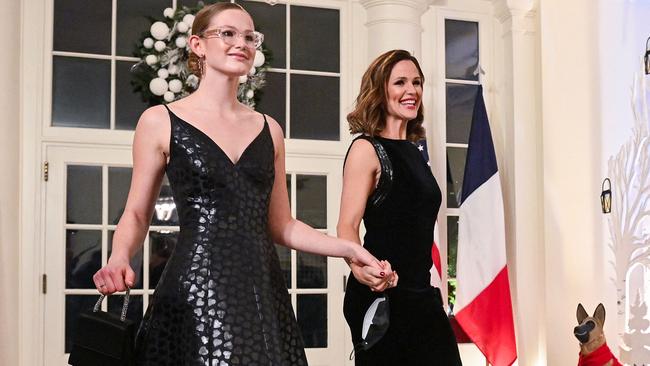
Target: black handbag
x=104, y=339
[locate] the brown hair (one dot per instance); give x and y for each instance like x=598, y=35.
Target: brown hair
x=201, y=24
x=370, y=112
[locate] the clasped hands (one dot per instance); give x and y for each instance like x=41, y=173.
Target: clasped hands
x=378, y=279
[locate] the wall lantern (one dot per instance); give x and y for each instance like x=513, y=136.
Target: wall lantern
x=606, y=196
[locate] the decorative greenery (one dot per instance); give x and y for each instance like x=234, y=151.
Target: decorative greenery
x=162, y=75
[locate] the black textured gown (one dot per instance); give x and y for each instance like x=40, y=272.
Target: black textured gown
x=399, y=218
x=222, y=299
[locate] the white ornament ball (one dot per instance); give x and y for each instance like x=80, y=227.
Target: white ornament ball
x=173, y=69
x=168, y=97
x=252, y=71
x=163, y=73
x=175, y=86
x=181, y=42
x=192, y=80
x=151, y=59
x=182, y=27
x=168, y=13
x=159, y=30
x=243, y=79
x=250, y=94
x=159, y=46
x=188, y=19
x=259, y=59
x=147, y=43
x=158, y=86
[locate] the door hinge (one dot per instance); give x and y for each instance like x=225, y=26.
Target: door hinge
x=44, y=283
x=46, y=170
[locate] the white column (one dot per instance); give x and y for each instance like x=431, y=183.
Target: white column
x=9, y=184
x=518, y=106
x=394, y=24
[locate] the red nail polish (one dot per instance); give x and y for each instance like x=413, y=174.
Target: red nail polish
x=382, y=274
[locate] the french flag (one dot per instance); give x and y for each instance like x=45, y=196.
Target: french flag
x=483, y=306
x=436, y=268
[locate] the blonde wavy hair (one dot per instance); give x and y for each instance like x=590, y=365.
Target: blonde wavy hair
x=370, y=112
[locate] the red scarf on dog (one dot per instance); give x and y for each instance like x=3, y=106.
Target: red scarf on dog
x=599, y=357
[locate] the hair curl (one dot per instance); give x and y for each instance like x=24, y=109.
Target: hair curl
x=370, y=112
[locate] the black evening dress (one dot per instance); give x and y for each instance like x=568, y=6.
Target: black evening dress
x=399, y=218
x=221, y=299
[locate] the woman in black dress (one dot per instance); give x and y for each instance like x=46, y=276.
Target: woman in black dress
x=222, y=299
x=387, y=183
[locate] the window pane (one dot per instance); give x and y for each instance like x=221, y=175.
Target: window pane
x=273, y=98
x=82, y=26
x=136, y=261
x=272, y=21
x=119, y=181
x=311, y=200
x=165, y=213
x=312, y=270
x=312, y=319
x=452, y=249
x=161, y=246
x=193, y=3
x=132, y=21
x=284, y=254
x=461, y=49
x=128, y=104
x=460, y=107
x=314, y=39
x=314, y=107
x=81, y=92
x=84, y=194
x=289, y=187
x=74, y=305
x=455, y=172
x=83, y=257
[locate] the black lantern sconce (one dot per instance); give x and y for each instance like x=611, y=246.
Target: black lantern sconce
x=606, y=196
x=646, y=58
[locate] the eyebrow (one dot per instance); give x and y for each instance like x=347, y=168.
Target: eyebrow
x=233, y=27
x=405, y=78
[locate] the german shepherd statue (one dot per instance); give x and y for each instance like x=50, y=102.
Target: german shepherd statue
x=593, y=347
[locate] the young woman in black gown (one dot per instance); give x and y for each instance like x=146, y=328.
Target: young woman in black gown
x=387, y=183
x=222, y=299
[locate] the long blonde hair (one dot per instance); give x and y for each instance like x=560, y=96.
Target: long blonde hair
x=370, y=112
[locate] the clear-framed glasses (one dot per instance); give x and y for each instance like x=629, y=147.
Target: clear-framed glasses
x=252, y=39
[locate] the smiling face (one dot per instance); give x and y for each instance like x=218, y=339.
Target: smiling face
x=404, y=91
x=233, y=57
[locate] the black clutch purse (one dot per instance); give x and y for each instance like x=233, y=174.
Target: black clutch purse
x=104, y=339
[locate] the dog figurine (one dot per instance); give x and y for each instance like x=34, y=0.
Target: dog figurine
x=593, y=347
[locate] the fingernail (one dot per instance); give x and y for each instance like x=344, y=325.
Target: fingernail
x=382, y=274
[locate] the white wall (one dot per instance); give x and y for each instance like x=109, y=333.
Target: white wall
x=9, y=183
x=589, y=51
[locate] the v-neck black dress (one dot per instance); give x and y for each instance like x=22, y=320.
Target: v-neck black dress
x=399, y=228
x=222, y=299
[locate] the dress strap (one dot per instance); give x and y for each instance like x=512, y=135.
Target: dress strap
x=386, y=176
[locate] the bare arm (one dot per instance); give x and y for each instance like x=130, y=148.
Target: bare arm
x=360, y=176
x=149, y=160
x=287, y=231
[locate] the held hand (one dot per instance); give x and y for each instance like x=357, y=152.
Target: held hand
x=377, y=280
x=115, y=276
x=361, y=257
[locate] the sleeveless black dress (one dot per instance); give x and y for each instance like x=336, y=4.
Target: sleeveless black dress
x=399, y=218
x=222, y=299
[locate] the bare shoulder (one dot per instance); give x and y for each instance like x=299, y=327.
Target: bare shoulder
x=154, y=124
x=362, y=157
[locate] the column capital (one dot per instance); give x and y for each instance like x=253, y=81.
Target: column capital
x=419, y=5
x=505, y=10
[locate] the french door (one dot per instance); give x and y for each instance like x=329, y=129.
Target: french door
x=85, y=195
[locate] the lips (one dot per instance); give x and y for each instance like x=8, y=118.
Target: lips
x=408, y=103
x=239, y=56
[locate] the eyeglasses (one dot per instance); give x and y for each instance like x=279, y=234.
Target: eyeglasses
x=252, y=39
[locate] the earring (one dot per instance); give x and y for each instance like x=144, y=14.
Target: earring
x=201, y=67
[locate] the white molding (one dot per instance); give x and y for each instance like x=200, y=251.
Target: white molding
x=30, y=299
